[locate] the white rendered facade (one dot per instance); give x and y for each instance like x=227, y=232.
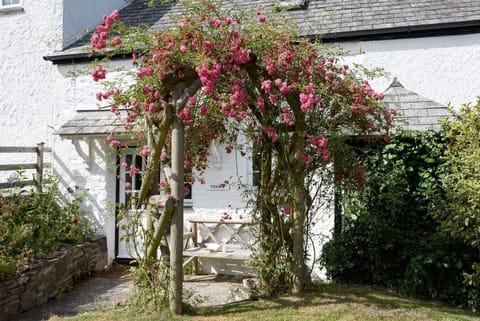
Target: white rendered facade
x=37, y=97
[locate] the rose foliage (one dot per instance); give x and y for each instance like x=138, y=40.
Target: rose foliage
x=227, y=74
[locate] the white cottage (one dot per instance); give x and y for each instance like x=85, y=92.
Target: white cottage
x=431, y=46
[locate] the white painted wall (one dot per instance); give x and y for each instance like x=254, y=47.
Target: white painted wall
x=443, y=69
x=28, y=105
x=27, y=102
x=231, y=167
x=94, y=179
x=36, y=96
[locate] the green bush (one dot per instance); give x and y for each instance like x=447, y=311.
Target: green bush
x=437, y=270
x=34, y=224
x=390, y=238
x=459, y=210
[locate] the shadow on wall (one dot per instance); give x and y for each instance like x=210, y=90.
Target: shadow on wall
x=73, y=185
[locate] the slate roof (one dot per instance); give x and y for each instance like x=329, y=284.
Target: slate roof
x=339, y=18
x=329, y=20
x=92, y=123
x=414, y=112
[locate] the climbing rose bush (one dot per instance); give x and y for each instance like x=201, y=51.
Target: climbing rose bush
x=225, y=73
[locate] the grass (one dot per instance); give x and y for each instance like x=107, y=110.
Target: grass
x=325, y=302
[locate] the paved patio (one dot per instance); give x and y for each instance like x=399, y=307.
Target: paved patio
x=109, y=289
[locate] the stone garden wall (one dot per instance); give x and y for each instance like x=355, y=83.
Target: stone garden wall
x=51, y=276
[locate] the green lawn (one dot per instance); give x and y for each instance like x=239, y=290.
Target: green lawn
x=325, y=302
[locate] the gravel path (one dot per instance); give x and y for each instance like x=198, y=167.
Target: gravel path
x=109, y=289
x=102, y=291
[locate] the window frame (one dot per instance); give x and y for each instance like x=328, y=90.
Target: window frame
x=291, y=4
x=5, y=8
x=130, y=155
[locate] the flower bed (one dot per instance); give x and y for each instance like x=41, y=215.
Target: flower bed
x=45, y=278
x=35, y=224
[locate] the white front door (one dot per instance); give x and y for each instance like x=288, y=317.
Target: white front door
x=129, y=183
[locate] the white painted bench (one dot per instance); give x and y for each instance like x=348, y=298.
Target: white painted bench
x=222, y=239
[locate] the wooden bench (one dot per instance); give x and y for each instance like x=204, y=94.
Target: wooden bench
x=235, y=246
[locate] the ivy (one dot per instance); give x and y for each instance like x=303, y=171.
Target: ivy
x=391, y=237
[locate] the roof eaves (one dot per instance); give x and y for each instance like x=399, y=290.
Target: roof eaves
x=78, y=55
x=414, y=31
x=63, y=59
x=82, y=53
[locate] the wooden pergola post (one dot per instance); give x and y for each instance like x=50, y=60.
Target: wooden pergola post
x=176, y=231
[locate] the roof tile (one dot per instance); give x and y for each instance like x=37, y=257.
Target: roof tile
x=365, y=15
x=415, y=112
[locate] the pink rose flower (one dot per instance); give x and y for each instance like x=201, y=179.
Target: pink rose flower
x=287, y=209
x=99, y=73
x=116, y=41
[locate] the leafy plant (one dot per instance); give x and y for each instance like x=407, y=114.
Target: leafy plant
x=390, y=237
x=459, y=210
x=34, y=224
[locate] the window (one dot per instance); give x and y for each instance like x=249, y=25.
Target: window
x=130, y=184
x=11, y=5
x=291, y=4
x=254, y=166
x=10, y=2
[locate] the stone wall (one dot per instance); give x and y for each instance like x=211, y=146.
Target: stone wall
x=53, y=275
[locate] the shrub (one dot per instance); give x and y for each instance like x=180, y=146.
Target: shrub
x=390, y=238
x=34, y=224
x=459, y=211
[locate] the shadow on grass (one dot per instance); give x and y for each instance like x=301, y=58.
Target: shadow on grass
x=322, y=295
